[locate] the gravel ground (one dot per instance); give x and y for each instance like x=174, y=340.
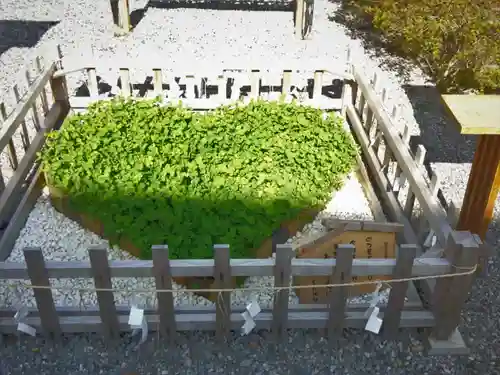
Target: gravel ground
x=209, y=38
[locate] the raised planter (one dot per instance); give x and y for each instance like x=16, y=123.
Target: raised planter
x=287, y=229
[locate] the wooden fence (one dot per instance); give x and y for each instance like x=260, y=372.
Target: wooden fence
x=385, y=154
x=320, y=88
x=42, y=108
x=110, y=320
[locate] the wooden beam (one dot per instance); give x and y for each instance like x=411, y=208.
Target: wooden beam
x=482, y=187
x=239, y=267
x=475, y=114
x=8, y=312
x=207, y=321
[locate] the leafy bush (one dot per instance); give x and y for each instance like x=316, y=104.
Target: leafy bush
x=456, y=42
x=163, y=174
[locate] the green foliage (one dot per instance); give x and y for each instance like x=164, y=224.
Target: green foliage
x=456, y=42
x=168, y=175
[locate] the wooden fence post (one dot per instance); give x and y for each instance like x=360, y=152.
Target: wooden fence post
x=163, y=279
x=126, y=89
x=299, y=18
x=282, y=273
x=124, y=15
x=44, y=300
x=349, y=87
x=318, y=85
x=105, y=298
x=25, y=137
x=12, y=149
x=338, y=296
x=59, y=89
x=451, y=293
x=403, y=269
x=222, y=276
x=286, y=82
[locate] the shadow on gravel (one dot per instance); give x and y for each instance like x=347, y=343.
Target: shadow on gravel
x=358, y=26
x=251, y=5
x=438, y=129
x=22, y=34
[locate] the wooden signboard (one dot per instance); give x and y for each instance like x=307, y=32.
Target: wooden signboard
x=371, y=239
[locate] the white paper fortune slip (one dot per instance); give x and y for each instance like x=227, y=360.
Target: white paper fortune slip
x=29, y=330
x=250, y=312
x=19, y=317
x=374, y=322
x=374, y=301
x=138, y=323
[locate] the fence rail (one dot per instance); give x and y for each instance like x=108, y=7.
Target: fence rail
x=239, y=267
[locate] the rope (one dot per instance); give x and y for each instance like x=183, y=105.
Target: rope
x=469, y=271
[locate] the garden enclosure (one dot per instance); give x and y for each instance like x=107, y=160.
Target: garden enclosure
x=407, y=195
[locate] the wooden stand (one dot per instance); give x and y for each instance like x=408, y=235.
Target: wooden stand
x=482, y=188
x=479, y=114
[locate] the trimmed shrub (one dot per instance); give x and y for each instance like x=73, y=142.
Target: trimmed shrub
x=167, y=175
x=456, y=42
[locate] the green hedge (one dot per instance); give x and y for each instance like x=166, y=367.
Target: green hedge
x=168, y=175
x=456, y=42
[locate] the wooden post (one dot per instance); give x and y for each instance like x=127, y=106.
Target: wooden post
x=43, y=94
x=254, y=84
x=299, y=18
x=222, y=276
x=399, y=177
x=34, y=110
x=158, y=83
x=25, y=137
x=12, y=149
x=450, y=294
x=163, y=279
x=92, y=83
x=282, y=273
x=105, y=298
x=286, y=82
x=318, y=84
x=59, y=89
x=482, y=187
x=404, y=265
x=125, y=83
x=121, y=14
x=410, y=198
x=479, y=114
x=338, y=296
x=44, y=301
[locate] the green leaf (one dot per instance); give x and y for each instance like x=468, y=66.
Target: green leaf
x=165, y=174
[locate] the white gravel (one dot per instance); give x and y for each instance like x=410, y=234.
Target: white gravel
x=209, y=38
